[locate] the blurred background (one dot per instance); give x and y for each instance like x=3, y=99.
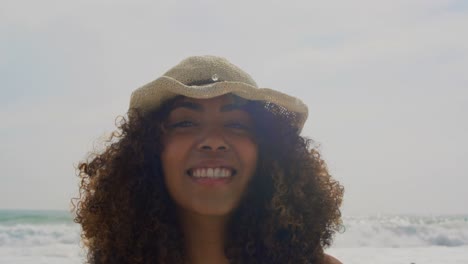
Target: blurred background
x=385, y=81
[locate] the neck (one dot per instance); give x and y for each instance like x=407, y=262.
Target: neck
x=204, y=238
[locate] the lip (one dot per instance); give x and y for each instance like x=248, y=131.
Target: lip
x=212, y=163
x=212, y=182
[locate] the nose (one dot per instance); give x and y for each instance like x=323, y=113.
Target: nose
x=213, y=140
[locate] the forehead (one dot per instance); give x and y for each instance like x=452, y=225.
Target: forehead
x=225, y=102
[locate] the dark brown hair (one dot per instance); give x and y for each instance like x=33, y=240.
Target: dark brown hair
x=288, y=214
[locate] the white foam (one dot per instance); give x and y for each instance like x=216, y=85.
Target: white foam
x=40, y=243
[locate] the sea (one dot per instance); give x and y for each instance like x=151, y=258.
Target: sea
x=52, y=237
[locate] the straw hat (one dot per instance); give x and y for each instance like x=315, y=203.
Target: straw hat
x=190, y=77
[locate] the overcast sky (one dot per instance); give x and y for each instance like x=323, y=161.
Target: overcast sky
x=386, y=83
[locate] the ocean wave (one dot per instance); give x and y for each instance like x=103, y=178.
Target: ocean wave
x=403, y=231
x=38, y=235
x=28, y=229
x=14, y=217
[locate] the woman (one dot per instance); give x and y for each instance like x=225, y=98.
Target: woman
x=208, y=168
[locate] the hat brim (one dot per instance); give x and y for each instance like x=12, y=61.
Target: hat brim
x=153, y=94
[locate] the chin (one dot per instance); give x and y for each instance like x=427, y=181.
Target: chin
x=210, y=210
x=213, y=211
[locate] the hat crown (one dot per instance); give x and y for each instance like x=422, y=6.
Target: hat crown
x=207, y=69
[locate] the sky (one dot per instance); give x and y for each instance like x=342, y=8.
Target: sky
x=386, y=84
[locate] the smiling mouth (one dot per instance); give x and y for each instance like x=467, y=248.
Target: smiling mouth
x=211, y=173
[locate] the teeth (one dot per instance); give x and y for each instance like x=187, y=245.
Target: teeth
x=211, y=173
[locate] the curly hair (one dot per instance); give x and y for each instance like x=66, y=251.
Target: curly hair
x=288, y=214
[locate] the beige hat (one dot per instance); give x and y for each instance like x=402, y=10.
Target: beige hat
x=190, y=77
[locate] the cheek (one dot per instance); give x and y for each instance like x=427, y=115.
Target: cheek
x=172, y=159
x=174, y=151
x=248, y=152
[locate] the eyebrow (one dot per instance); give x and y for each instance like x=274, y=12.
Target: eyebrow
x=188, y=105
x=199, y=108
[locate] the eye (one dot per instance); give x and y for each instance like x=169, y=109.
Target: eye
x=184, y=123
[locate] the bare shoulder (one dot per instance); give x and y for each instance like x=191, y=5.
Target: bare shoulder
x=331, y=260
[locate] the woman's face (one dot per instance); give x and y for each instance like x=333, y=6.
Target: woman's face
x=209, y=154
